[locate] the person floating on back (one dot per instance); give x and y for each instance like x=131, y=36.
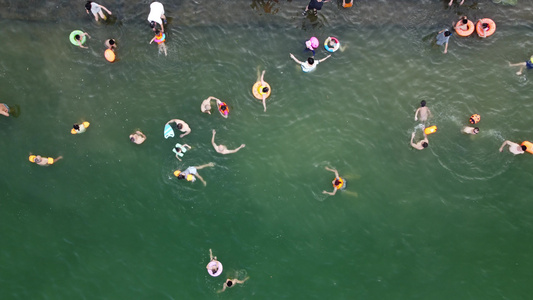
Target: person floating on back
x=96, y=9
x=222, y=149
x=191, y=173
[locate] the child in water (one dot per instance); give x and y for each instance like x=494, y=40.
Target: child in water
x=159, y=38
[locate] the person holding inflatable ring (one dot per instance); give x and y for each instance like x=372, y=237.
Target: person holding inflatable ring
x=514, y=148
x=192, y=172
x=261, y=90
x=338, y=183
x=44, y=161
x=420, y=145
x=214, y=267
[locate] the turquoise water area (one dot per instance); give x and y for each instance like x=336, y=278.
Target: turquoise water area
x=110, y=221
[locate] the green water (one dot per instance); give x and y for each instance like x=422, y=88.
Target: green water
x=109, y=221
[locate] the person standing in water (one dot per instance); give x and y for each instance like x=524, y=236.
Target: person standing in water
x=421, y=145
x=443, y=37
x=315, y=5
x=231, y=282
x=157, y=16
x=223, y=149
x=160, y=38
x=422, y=112
x=310, y=64
x=96, y=9
x=514, y=148
x=338, y=183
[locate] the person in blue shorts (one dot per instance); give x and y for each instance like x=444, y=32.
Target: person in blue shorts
x=528, y=64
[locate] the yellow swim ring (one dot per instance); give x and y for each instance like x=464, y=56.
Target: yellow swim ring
x=257, y=90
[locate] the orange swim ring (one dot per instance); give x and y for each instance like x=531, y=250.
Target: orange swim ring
x=257, y=90
x=489, y=30
x=469, y=28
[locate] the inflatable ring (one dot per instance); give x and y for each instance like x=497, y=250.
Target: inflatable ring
x=491, y=28
x=337, y=46
x=257, y=94
x=474, y=119
x=109, y=55
x=529, y=146
x=470, y=28
x=214, y=263
x=73, y=39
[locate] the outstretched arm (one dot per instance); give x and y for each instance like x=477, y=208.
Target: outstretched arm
x=58, y=158
x=412, y=138
x=446, y=48
x=330, y=193
x=264, y=103
x=213, y=140
x=334, y=171
x=201, y=179
x=151, y=41
x=210, y=254
x=234, y=150
x=295, y=59
x=503, y=145
x=223, y=288
x=262, y=76
x=323, y=59
x=241, y=281
x=101, y=6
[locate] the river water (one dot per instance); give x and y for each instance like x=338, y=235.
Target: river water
x=110, y=221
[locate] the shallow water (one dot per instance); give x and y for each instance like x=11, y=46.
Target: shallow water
x=110, y=221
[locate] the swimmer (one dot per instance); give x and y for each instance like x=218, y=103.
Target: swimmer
x=212, y=268
x=442, y=39
x=96, y=9
x=470, y=130
x=223, y=149
x=182, y=126
x=421, y=145
x=44, y=161
x=230, y=282
x=137, y=137
x=522, y=65
x=451, y=1
x=347, y=4
x=206, y=104
x=338, y=183
x=310, y=64
x=264, y=90
x=462, y=24
x=315, y=5
x=4, y=109
x=180, y=149
x=311, y=45
x=192, y=172
x=157, y=15
x=485, y=27
x=110, y=44
x=79, y=37
x=514, y=148
x=223, y=108
x=159, y=38
x=424, y=112
x=79, y=128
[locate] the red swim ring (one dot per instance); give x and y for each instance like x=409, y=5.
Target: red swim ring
x=485, y=32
